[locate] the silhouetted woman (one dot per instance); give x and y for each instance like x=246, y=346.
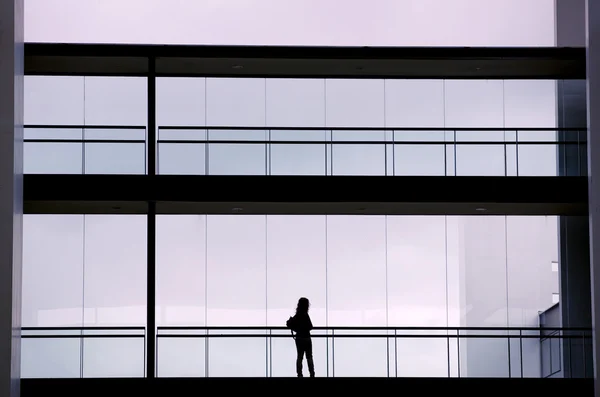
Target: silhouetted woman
x=302, y=325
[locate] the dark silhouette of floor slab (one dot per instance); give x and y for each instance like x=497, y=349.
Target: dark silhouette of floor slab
x=310, y=386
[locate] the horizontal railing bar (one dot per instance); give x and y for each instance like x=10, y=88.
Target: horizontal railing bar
x=373, y=328
x=113, y=336
x=87, y=127
x=448, y=143
x=265, y=128
x=90, y=328
x=142, y=141
x=359, y=336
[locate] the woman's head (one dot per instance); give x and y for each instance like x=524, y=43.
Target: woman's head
x=303, y=305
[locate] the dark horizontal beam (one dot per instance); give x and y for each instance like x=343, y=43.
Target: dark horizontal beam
x=189, y=194
x=307, y=62
x=343, y=385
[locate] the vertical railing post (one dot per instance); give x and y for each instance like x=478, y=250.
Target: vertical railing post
x=151, y=226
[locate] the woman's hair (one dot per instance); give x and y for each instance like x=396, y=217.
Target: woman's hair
x=303, y=306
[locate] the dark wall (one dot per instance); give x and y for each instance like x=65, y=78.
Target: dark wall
x=575, y=286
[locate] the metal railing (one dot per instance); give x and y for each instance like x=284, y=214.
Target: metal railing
x=80, y=352
x=63, y=352
x=223, y=150
x=401, y=151
x=463, y=350
x=85, y=149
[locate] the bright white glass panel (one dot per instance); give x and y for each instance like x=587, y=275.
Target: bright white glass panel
x=416, y=270
x=296, y=267
x=414, y=103
x=358, y=159
x=483, y=289
x=530, y=280
x=115, y=271
x=416, y=283
x=181, y=357
x=113, y=357
x=115, y=158
x=474, y=103
x=52, y=158
x=116, y=100
x=355, y=103
x=53, y=100
x=237, y=159
x=50, y=358
x=182, y=158
x=530, y=103
x=236, y=270
x=295, y=102
x=180, y=101
x=52, y=270
x=356, y=290
x=180, y=270
x=235, y=102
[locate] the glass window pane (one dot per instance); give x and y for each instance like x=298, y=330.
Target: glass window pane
x=356, y=290
x=474, y=103
x=296, y=267
x=115, y=271
x=237, y=159
x=235, y=102
x=537, y=160
x=530, y=103
x=236, y=278
x=181, y=357
x=180, y=101
x=52, y=294
x=181, y=158
x=115, y=158
x=297, y=158
x=295, y=102
x=416, y=282
x=483, y=290
x=113, y=357
x=236, y=292
x=180, y=152
x=50, y=358
x=357, y=158
x=414, y=103
x=180, y=270
x=531, y=280
x=355, y=103
x=116, y=100
x=480, y=160
x=54, y=100
x=52, y=158
x=419, y=158
x=52, y=270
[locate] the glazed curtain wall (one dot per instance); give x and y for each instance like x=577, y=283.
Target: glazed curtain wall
x=249, y=270
x=111, y=102
x=357, y=271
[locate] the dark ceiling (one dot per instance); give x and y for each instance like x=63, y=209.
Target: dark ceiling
x=306, y=62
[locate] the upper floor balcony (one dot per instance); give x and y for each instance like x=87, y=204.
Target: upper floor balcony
x=353, y=151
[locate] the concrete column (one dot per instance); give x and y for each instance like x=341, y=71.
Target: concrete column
x=593, y=115
x=575, y=294
x=11, y=171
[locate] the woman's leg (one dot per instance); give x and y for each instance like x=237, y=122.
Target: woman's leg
x=299, y=357
x=309, y=357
